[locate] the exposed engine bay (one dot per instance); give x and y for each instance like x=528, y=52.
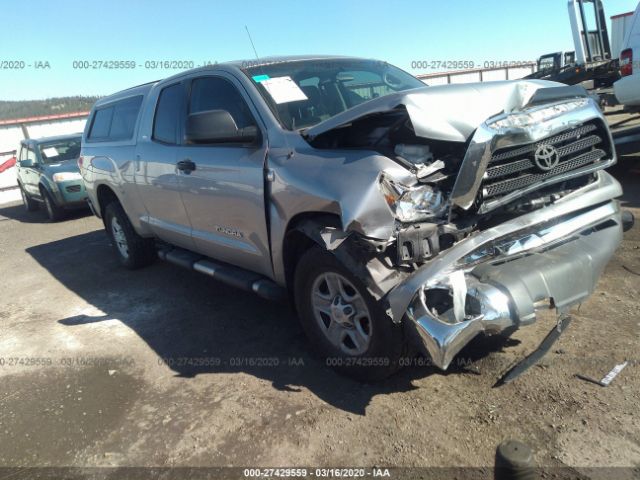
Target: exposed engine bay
x=427, y=220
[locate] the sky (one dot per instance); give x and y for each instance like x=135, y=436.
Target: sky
x=53, y=43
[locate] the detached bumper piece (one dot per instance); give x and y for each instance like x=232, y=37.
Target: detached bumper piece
x=496, y=281
x=537, y=354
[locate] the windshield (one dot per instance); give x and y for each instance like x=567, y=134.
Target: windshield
x=60, y=150
x=304, y=93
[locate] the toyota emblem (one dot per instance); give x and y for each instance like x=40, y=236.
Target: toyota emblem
x=546, y=157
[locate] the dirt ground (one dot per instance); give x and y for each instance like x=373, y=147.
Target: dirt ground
x=102, y=367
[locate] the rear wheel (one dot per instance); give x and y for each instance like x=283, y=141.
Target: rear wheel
x=30, y=204
x=133, y=250
x=54, y=212
x=347, y=326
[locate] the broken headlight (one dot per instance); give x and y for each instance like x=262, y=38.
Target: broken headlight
x=537, y=116
x=412, y=204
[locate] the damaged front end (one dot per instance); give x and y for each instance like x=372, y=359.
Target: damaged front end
x=496, y=279
x=505, y=217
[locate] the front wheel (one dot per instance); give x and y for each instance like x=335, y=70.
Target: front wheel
x=54, y=212
x=30, y=204
x=133, y=250
x=347, y=326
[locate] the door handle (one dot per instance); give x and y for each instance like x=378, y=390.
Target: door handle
x=186, y=165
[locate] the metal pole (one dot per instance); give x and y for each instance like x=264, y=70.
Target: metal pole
x=603, y=32
x=585, y=30
x=25, y=132
x=599, y=28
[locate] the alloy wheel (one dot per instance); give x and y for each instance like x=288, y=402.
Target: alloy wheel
x=341, y=313
x=119, y=238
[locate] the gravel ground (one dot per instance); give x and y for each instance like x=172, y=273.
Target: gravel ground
x=102, y=367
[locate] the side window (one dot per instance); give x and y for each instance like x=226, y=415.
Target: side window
x=125, y=114
x=101, y=124
x=31, y=155
x=165, y=123
x=214, y=93
x=23, y=153
x=116, y=121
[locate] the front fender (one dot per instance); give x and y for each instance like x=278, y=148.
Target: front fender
x=50, y=187
x=343, y=183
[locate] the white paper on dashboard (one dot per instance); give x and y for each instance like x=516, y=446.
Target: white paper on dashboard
x=283, y=90
x=50, y=152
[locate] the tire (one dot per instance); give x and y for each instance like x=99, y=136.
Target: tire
x=30, y=204
x=54, y=212
x=133, y=250
x=357, y=338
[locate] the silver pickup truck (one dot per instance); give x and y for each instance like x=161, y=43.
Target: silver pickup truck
x=394, y=215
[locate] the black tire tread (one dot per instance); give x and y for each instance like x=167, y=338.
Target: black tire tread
x=31, y=205
x=56, y=212
x=142, y=251
x=389, y=343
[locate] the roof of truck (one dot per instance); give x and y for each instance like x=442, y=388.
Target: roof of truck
x=256, y=62
x=238, y=65
x=241, y=65
x=129, y=92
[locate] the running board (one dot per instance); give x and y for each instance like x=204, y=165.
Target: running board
x=233, y=276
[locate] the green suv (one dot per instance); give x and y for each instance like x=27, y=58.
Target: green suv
x=48, y=174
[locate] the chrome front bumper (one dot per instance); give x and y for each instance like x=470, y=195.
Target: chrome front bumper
x=495, y=281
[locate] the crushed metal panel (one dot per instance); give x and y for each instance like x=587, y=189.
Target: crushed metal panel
x=446, y=112
x=379, y=277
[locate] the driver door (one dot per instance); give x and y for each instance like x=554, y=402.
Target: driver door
x=224, y=193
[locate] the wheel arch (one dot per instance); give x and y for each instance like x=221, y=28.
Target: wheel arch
x=45, y=187
x=105, y=195
x=297, y=241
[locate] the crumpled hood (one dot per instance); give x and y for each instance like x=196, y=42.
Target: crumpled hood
x=450, y=112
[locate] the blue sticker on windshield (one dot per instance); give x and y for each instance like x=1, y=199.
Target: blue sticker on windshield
x=260, y=78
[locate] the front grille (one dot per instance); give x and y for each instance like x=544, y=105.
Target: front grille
x=73, y=188
x=512, y=169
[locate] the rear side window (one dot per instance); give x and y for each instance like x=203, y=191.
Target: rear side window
x=101, y=123
x=125, y=114
x=116, y=121
x=165, y=123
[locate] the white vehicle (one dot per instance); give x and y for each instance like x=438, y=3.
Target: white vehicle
x=627, y=89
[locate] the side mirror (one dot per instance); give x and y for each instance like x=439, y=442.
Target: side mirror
x=28, y=163
x=217, y=126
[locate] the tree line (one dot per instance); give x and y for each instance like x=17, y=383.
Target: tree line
x=51, y=106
